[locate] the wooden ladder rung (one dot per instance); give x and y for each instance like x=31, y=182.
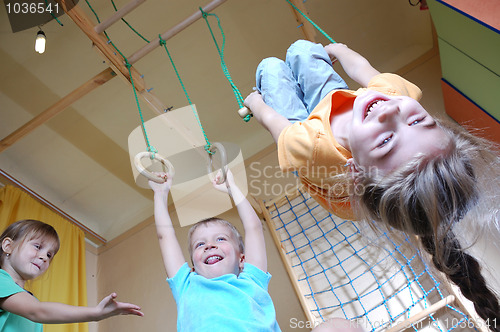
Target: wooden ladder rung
x=421, y=315
x=117, y=15
x=173, y=31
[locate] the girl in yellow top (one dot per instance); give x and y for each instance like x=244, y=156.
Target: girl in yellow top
x=378, y=149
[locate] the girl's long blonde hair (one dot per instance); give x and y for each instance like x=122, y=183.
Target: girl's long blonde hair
x=429, y=197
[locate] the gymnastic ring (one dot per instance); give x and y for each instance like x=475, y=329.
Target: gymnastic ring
x=223, y=157
x=148, y=174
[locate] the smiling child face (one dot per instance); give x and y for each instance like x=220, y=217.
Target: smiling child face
x=215, y=251
x=30, y=258
x=387, y=131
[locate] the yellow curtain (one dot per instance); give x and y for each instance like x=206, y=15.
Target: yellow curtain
x=65, y=280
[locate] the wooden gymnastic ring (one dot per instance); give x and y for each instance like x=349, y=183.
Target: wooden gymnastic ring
x=223, y=156
x=153, y=177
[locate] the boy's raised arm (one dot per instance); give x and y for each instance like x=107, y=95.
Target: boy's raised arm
x=255, y=245
x=171, y=251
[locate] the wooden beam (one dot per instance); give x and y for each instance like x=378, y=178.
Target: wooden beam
x=89, y=234
x=101, y=42
x=307, y=29
x=58, y=107
x=406, y=324
x=173, y=31
x=117, y=15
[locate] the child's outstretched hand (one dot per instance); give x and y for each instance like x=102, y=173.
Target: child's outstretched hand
x=224, y=185
x=161, y=187
x=109, y=307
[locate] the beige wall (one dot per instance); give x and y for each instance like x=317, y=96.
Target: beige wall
x=91, y=266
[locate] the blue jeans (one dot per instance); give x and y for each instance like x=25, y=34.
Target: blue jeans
x=295, y=86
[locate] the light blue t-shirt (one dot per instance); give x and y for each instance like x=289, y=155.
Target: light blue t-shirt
x=10, y=322
x=226, y=303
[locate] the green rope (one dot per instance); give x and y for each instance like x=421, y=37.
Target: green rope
x=310, y=21
x=105, y=33
x=163, y=43
x=53, y=16
x=131, y=28
x=237, y=94
x=150, y=148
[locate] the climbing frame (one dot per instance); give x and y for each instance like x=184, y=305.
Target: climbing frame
x=341, y=268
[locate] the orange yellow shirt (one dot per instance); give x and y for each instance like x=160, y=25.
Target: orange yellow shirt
x=309, y=147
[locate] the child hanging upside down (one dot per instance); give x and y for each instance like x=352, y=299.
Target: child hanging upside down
x=377, y=154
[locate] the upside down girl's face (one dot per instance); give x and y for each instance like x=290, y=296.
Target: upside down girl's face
x=387, y=131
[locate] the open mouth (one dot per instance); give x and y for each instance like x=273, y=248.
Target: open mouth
x=373, y=105
x=213, y=259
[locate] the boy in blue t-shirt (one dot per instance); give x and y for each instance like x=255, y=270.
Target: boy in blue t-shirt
x=227, y=288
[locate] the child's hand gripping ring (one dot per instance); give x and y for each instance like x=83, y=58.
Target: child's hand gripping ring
x=153, y=177
x=223, y=159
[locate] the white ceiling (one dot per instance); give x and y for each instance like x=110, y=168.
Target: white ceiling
x=79, y=159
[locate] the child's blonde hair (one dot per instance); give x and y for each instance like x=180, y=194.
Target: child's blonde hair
x=234, y=231
x=27, y=229
x=428, y=196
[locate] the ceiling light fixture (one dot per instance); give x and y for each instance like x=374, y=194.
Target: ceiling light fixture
x=40, y=42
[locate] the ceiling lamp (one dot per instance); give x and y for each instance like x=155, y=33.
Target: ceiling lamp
x=40, y=42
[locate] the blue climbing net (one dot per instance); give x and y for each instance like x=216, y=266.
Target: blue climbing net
x=351, y=270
